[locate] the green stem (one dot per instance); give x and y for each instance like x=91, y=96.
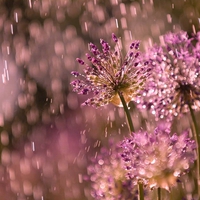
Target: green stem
x=131, y=127
x=159, y=193
x=141, y=191
x=126, y=110
x=197, y=140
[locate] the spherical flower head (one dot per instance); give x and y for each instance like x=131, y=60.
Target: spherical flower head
x=109, y=74
x=175, y=81
x=108, y=176
x=158, y=159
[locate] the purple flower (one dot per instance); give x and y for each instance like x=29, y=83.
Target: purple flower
x=159, y=158
x=109, y=74
x=108, y=176
x=175, y=82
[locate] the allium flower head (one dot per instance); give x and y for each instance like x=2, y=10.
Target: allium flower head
x=110, y=74
x=176, y=80
x=108, y=176
x=158, y=159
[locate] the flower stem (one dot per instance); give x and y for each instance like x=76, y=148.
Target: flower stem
x=197, y=140
x=141, y=191
x=159, y=193
x=126, y=110
x=131, y=127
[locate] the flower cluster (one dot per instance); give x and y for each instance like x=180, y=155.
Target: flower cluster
x=165, y=80
x=108, y=176
x=157, y=159
x=174, y=86
x=109, y=74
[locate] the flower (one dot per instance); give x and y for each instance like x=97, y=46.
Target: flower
x=175, y=81
x=110, y=74
x=157, y=159
x=108, y=176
